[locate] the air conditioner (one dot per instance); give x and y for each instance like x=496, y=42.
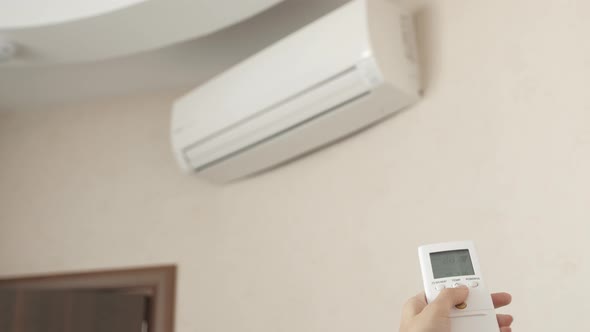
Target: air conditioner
x=330, y=79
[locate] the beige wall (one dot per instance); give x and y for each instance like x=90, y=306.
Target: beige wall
x=498, y=152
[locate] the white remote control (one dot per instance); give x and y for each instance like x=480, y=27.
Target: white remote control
x=453, y=264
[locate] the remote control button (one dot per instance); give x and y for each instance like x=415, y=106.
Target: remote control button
x=473, y=284
x=440, y=287
x=455, y=285
x=461, y=306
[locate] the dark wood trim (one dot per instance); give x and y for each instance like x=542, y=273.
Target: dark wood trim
x=160, y=281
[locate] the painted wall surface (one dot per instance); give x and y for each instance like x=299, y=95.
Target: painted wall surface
x=498, y=152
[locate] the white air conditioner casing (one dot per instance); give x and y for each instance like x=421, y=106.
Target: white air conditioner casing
x=328, y=80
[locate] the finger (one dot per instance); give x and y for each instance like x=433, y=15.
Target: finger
x=414, y=306
x=449, y=298
x=505, y=329
x=504, y=320
x=501, y=299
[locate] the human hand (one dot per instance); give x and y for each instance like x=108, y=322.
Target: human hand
x=418, y=316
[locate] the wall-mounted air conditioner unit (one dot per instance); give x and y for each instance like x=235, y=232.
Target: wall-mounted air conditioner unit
x=333, y=77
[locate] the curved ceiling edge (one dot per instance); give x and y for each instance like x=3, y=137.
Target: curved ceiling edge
x=142, y=27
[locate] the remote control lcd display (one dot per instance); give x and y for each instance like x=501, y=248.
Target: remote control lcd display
x=451, y=264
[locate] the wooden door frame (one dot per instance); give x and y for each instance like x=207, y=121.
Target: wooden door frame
x=159, y=282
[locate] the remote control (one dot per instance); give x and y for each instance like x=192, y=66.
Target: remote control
x=453, y=264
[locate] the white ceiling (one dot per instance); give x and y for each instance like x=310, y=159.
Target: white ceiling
x=181, y=66
x=18, y=13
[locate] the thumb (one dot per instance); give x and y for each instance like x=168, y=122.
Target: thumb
x=448, y=298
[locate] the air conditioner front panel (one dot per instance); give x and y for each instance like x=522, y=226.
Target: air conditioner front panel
x=298, y=108
x=324, y=82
